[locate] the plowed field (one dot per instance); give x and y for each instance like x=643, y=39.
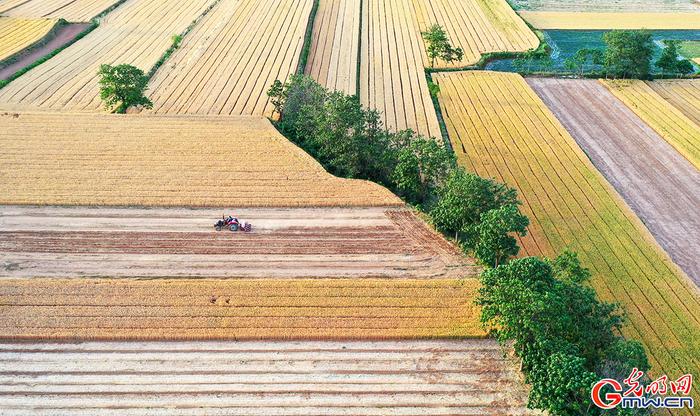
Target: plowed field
x=98, y=159
x=71, y=10
x=418, y=378
x=136, y=33
x=228, y=62
x=500, y=128
x=19, y=34
x=87, y=242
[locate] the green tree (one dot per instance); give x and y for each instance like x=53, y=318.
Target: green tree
x=421, y=167
x=628, y=53
x=494, y=242
x=463, y=198
x=439, y=46
x=123, y=86
x=669, y=62
x=584, y=58
x=562, y=386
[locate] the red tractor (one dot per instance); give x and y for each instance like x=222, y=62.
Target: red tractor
x=232, y=224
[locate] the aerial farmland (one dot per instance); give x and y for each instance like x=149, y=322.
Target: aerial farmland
x=349, y=207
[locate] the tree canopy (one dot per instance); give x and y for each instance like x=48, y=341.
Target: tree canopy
x=628, y=53
x=123, y=86
x=439, y=46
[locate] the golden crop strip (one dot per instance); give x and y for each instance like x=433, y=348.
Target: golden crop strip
x=670, y=122
x=44, y=309
x=611, y=20
x=71, y=10
x=333, y=58
x=19, y=34
x=684, y=94
x=500, y=128
x=608, y=6
x=230, y=60
x=96, y=159
x=136, y=33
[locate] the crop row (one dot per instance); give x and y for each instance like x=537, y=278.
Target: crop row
x=627, y=6
x=71, y=10
x=18, y=34
x=577, y=20
x=501, y=129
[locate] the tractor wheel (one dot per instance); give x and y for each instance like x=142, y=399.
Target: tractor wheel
x=218, y=227
x=234, y=227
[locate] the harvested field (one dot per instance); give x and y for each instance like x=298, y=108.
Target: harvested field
x=334, y=54
x=500, y=128
x=609, y=5
x=17, y=35
x=136, y=33
x=252, y=378
x=204, y=309
x=670, y=122
x=684, y=94
x=100, y=159
x=578, y=20
x=173, y=243
x=71, y=10
x=232, y=57
x=661, y=186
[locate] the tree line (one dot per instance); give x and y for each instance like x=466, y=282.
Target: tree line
x=565, y=337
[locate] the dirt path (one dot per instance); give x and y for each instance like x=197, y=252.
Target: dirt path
x=64, y=35
x=468, y=377
x=285, y=243
x=661, y=186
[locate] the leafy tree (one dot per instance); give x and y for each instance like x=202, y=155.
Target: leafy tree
x=562, y=385
x=670, y=62
x=463, y=198
x=628, y=53
x=422, y=165
x=494, y=242
x=583, y=58
x=439, y=46
x=123, y=86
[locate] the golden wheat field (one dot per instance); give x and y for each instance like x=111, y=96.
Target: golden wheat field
x=228, y=62
x=670, y=122
x=136, y=33
x=96, y=159
x=334, y=54
x=18, y=34
x=71, y=10
x=684, y=94
x=501, y=129
x=611, y=20
x=238, y=309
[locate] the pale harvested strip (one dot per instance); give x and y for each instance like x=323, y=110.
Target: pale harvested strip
x=501, y=129
x=176, y=242
x=71, y=10
x=136, y=33
x=684, y=94
x=19, y=34
x=660, y=185
x=100, y=159
x=230, y=60
x=609, y=5
x=334, y=54
x=605, y=20
x=134, y=309
x=477, y=26
x=304, y=378
x=671, y=124
x=392, y=76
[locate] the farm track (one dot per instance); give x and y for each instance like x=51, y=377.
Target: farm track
x=232, y=57
x=17, y=34
x=70, y=10
x=170, y=160
x=285, y=243
x=333, y=58
x=670, y=122
x=136, y=33
x=500, y=128
x=312, y=378
x=661, y=186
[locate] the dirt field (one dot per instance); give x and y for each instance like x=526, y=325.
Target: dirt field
x=500, y=128
x=232, y=57
x=333, y=58
x=99, y=159
x=252, y=378
x=136, y=33
x=659, y=184
x=71, y=10
x=111, y=242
